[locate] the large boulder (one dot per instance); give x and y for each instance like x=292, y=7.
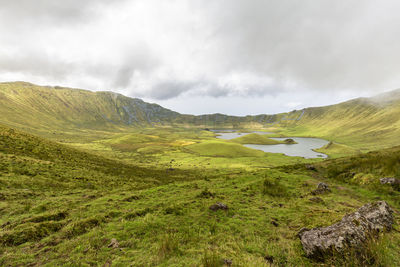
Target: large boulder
x=351, y=232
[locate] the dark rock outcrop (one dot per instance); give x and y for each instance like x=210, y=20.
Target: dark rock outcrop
x=351, y=232
x=218, y=206
x=322, y=188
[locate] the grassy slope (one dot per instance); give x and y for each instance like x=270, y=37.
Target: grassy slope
x=62, y=206
x=365, y=124
x=336, y=150
x=65, y=114
x=52, y=109
x=254, y=138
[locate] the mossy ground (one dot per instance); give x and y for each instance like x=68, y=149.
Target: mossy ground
x=62, y=206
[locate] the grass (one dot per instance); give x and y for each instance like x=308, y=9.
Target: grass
x=162, y=217
x=223, y=149
x=63, y=198
x=336, y=150
x=257, y=139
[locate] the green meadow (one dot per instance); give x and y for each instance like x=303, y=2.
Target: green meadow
x=92, y=188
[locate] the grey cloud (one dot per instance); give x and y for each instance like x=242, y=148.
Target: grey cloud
x=170, y=89
x=24, y=12
x=36, y=63
x=295, y=45
x=317, y=44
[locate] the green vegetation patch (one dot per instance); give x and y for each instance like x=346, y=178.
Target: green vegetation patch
x=337, y=150
x=256, y=139
x=223, y=149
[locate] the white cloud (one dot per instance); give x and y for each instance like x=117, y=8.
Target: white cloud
x=223, y=49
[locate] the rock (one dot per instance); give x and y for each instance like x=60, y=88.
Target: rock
x=316, y=200
x=114, y=243
x=395, y=183
x=310, y=167
x=218, y=206
x=389, y=180
x=275, y=223
x=289, y=141
x=228, y=262
x=269, y=259
x=322, y=188
x=351, y=232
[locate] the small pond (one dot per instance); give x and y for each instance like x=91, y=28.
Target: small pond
x=303, y=148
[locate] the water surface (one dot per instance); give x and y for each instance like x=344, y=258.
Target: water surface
x=303, y=148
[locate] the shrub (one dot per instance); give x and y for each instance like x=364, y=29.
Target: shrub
x=211, y=259
x=373, y=253
x=169, y=245
x=81, y=227
x=206, y=194
x=31, y=232
x=274, y=188
x=364, y=179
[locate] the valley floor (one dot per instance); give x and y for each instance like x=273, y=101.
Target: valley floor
x=142, y=198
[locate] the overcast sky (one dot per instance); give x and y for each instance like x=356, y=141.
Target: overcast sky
x=194, y=56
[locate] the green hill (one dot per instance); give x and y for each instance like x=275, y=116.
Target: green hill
x=26, y=105
x=257, y=139
x=365, y=123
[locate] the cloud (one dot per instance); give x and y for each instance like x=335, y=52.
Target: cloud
x=224, y=48
x=49, y=11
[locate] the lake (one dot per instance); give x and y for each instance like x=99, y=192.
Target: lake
x=303, y=148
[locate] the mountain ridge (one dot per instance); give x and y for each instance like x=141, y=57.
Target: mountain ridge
x=44, y=109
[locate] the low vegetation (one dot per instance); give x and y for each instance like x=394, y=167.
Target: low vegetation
x=141, y=196
x=256, y=139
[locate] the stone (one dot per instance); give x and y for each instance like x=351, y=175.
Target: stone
x=269, y=259
x=310, y=167
x=274, y=223
x=228, y=262
x=218, y=206
x=389, y=180
x=394, y=182
x=351, y=232
x=114, y=243
x=322, y=188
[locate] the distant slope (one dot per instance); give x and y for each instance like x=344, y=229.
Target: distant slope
x=366, y=123
x=27, y=105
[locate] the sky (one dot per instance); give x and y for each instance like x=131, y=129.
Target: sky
x=236, y=57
